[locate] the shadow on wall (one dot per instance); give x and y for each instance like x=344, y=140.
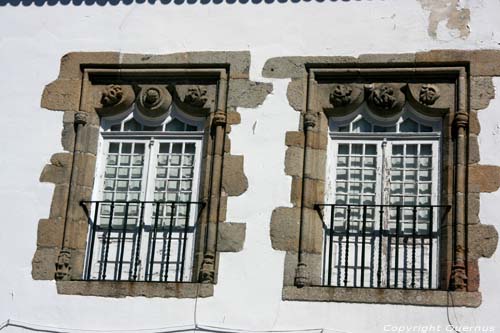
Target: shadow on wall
x=41, y=3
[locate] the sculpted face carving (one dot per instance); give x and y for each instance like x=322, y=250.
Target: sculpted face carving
x=429, y=93
x=341, y=95
x=196, y=96
x=111, y=95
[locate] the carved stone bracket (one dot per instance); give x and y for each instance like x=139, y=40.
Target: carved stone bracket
x=154, y=101
x=63, y=266
x=115, y=99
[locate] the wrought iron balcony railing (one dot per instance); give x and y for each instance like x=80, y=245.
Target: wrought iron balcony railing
x=140, y=240
x=381, y=246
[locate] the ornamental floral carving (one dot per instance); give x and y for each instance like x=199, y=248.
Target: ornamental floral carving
x=196, y=96
x=386, y=99
x=341, y=95
x=114, y=99
x=428, y=95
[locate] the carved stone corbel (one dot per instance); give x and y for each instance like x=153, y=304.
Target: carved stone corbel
x=338, y=100
x=430, y=99
x=153, y=101
x=385, y=99
x=196, y=100
x=114, y=99
x=63, y=266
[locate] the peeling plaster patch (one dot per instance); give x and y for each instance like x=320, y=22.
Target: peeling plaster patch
x=449, y=11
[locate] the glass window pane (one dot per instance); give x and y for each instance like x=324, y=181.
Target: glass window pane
x=343, y=149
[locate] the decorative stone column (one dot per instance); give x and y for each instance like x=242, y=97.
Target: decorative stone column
x=219, y=120
x=302, y=277
x=63, y=264
x=458, y=272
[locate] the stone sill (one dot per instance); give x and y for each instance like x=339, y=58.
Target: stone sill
x=382, y=296
x=120, y=289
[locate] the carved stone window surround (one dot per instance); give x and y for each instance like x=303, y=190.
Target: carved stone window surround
x=79, y=92
x=302, y=266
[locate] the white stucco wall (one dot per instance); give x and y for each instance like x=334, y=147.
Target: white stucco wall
x=248, y=295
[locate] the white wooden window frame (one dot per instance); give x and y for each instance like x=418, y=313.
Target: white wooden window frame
x=152, y=141
x=385, y=141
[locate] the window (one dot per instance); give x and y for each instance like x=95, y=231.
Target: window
x=383, y=201
x=379, y=188
x=145, y=199
x=114, y=106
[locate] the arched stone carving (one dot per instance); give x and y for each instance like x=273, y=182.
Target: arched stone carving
x=114, y=99
x=385, y=99
x=154, y=101
x=197, y=100
x=430, y=99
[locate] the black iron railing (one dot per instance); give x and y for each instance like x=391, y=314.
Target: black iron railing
x=140, y=240
x=381, y=246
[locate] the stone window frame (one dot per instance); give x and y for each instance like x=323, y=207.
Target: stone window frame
x=84, y=78
x=297, y=230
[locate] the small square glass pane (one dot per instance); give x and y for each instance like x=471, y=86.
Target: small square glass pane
x=426, y=150
x=343, y=149
x=397, y=162
x=139, y=148
x=342, y=161
x=125, y=160
x=177, y=148
x=369, y=174
x=424, y=188
x=425, y=175
x=370, y=150
x=355, y=175
x=112, y=159
x=122, y=185
x=160, y=185
x=397, y=150
x=188, y=160
x=411, y=175
x=137, y=159
x=123, y=172
x=110, y=173
x=425, y=162
x=355, y=187
x=341, y=174
x=173, y=185
x=162, y=159
x=396, y=175
x=175, y=160
x=189, y=148
x=135, y=185
x=161, y=173
x=172, y=196
x=369, y=162
x=126, y=148
x=109, y=185
x=186, y=185
x=357, y=149
x=173, y=173
x=410, y=162
x=114, y=147
x=136, y=172
x=369, y=188
x=164, y=148
x=356, y=161
x=411, y=149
